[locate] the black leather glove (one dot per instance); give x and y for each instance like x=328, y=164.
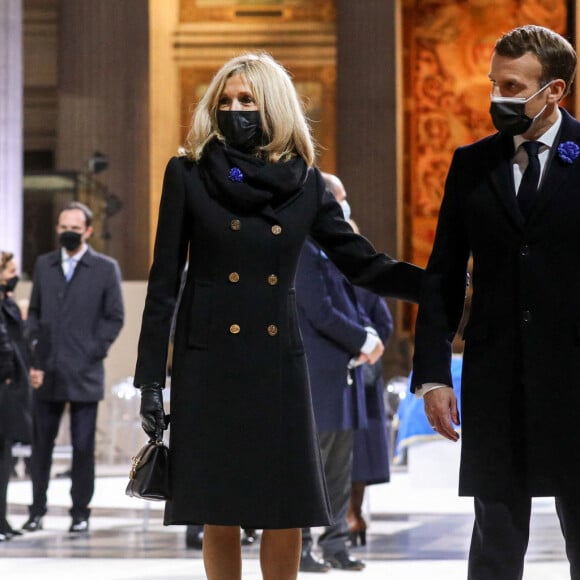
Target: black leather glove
x=152, y=413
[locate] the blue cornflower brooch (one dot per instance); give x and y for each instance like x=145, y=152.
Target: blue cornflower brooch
x=235, y=174
x=568, y=151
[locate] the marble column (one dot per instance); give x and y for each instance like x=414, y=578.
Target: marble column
x=11, y=126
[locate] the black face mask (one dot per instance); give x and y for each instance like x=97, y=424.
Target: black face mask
x=242, y=129
x=509, y=114
x=70, y=241
x=9, y=285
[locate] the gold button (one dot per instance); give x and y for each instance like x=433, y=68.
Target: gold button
x=235, y=329
x=272, y=330
x=234, y=277
x=236, y=225
x=276, y=230
x=272, y=279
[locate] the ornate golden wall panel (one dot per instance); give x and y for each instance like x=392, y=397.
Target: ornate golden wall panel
x=224, y=10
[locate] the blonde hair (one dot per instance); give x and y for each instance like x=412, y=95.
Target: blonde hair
x=284, y=123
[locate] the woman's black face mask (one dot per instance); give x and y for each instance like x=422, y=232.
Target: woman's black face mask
x=242, y=129
x=9, y=285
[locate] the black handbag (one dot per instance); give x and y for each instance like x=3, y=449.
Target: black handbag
x=149, y=476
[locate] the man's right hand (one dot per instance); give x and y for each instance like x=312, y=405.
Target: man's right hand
x=441, y=409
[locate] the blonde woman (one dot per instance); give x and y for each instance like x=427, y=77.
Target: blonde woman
x=239, y=204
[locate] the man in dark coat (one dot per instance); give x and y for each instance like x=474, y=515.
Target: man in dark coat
x=75, y=314
x=520, y=396
x=335, y=332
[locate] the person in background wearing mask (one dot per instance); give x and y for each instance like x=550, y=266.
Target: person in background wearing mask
x=370, y=463
x=75, y=314
x=338, y=339
x=512, y=203
x=15, y=416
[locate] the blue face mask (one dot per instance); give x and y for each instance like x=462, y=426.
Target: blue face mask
x=509, y=113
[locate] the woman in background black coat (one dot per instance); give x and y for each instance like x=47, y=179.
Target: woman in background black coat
x=15, y=418
x=240, y=203
x=371, y=444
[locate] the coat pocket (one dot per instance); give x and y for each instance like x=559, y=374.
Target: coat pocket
x=296, y=343
x=200, y=314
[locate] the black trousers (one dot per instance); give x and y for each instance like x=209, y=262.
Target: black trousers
x=501, y=533
x=46, y=421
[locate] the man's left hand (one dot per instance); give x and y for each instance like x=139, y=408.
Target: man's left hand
x=441, y=409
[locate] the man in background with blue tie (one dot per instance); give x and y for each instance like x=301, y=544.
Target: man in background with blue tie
x=512, y=203
x=75, y=314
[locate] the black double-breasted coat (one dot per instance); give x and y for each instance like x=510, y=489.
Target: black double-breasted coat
x=521, y=367
x=243, y=445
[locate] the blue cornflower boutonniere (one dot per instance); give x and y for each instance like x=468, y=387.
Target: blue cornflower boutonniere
x=568, y=151
x=235, y=174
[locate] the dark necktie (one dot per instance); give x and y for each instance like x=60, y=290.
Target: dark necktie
x=529, y=185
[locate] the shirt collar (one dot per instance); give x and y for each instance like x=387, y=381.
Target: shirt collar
x=547, y=138
x=77, y=257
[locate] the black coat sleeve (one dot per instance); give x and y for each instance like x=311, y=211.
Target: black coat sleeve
x=7, y=361
x=355, y=256
x=443, y=294
x=169, y=258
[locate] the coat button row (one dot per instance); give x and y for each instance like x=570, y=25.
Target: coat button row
x=272, y=329
x=236, y=226
x=234, y=278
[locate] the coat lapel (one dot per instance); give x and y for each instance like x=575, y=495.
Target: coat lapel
x=502, y=178
x=557, y=171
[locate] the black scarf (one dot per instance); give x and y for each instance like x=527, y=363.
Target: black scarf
x=246, y=183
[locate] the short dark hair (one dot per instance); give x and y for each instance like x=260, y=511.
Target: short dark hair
x=555, y=53
x=85, y=209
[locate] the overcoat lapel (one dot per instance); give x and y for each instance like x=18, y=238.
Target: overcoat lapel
x=557, y=171
x=502, y=179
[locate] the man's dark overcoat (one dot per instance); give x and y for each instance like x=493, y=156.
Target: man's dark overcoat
x=521, y=366
x=243, y=445
x=75, y=323
x=333, y=331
